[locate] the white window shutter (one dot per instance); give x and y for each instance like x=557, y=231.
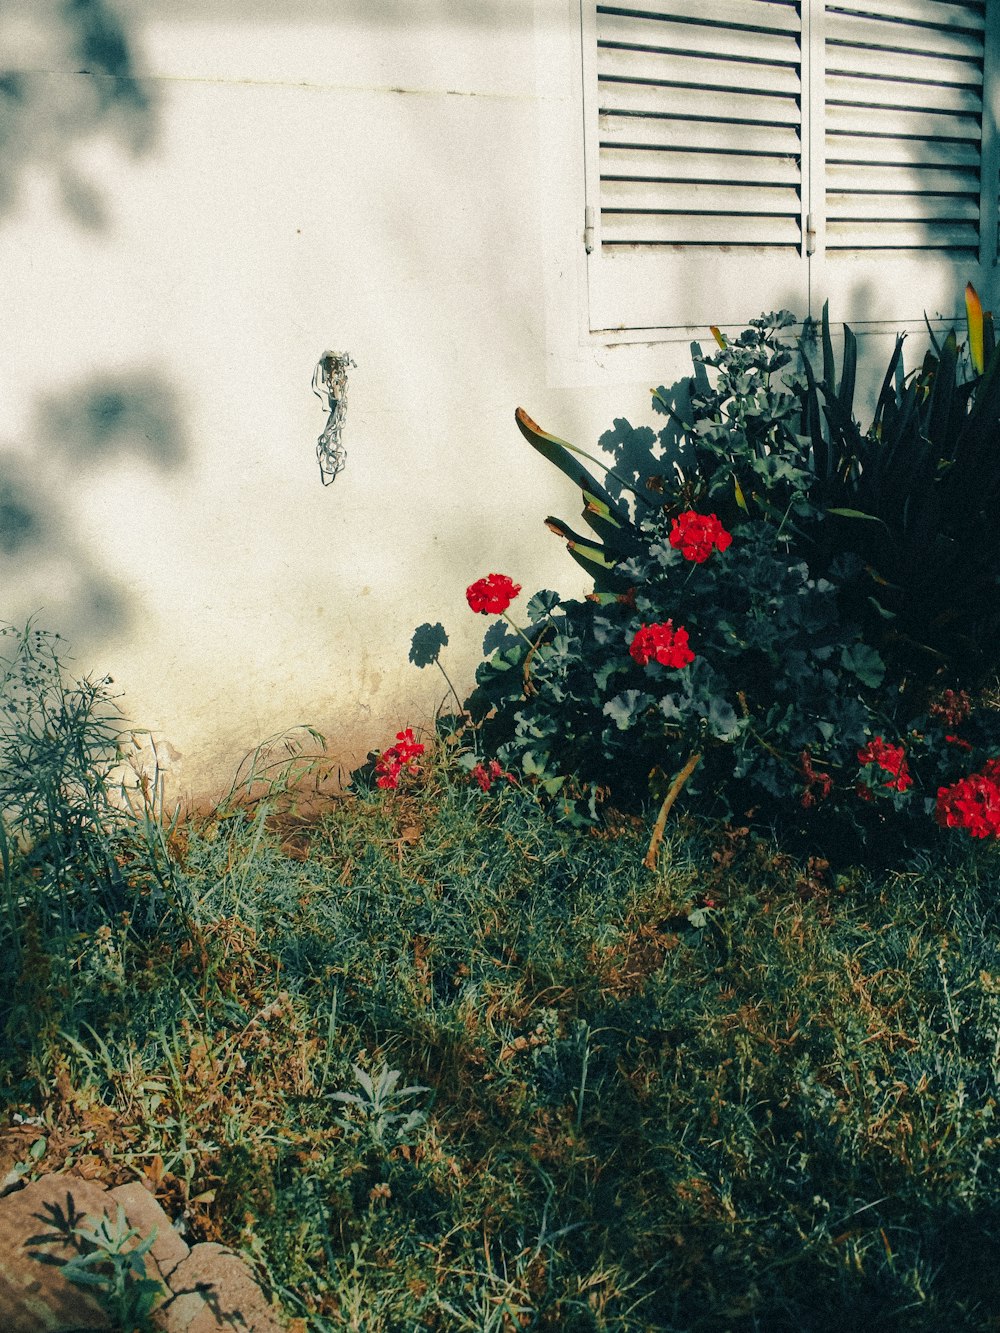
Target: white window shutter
x=695, y=164
x=907, y=210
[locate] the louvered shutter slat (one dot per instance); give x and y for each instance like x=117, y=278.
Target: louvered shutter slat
x=897, y=235
x=905, y=207
x=952, y=43
x=637, y=65
x=664, y=33
x=937, y=12
x=882, y=178
x=755, y=15
x=701, y=230
x=698, y=104
x=877, y=64
x=868, y=152
x=637, y=164
x=705, y=136
x=904, y=94
x=684, y=197
x=915, y=124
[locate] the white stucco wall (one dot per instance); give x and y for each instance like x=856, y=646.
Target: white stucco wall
x=398, y=179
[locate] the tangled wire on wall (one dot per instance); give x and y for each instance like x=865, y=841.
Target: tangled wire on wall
x=329, y=382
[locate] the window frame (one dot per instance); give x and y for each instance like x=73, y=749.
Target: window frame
x=874, y=291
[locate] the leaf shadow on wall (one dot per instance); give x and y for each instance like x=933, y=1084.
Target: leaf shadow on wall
x=644, y=460
x=68, y=75
x=70, y=82
x=76, y=435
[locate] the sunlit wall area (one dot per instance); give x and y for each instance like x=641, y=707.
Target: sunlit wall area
x=194, y=206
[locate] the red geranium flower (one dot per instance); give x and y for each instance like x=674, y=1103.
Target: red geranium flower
x=492, y=595
x=952, y=707
x=972, y=803
x=696, y=535
x=663, y=644
x=487, y=775
x=818, y=785
x=392, y=762
x=890, y=759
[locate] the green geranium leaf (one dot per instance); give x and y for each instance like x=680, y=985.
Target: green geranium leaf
x=542, y=603
x=625, y=709
x=533, y=764
x=723, y=720
x=536, y=726
x=605, y=630
x=607, y=669
x=863, y=662
x=670, y=707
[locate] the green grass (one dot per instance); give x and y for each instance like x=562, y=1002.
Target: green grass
x=638, y=1112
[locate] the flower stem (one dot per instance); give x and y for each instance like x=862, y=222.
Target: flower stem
x=518, y=630
x=533, y=646
x=661, y=819
x=454, y=692
x=766, y=745
x=529, y=687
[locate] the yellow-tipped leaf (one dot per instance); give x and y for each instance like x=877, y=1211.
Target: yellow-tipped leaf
x=974, y=318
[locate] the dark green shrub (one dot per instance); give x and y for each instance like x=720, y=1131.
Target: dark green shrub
x=758, y=601
x=915, y=499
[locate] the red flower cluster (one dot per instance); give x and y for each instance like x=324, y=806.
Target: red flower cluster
x=953, y=708
x=492, y=595
x=695, y=535
x=891, y=759
x=486, y=775
x=663, y=644
x=393, y=761
x=972, y=803
x=821, y=782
